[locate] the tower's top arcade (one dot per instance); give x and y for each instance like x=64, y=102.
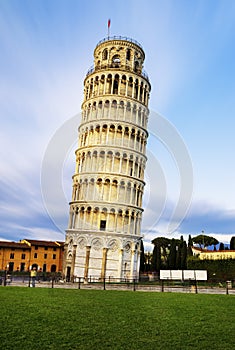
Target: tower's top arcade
x=119, y=52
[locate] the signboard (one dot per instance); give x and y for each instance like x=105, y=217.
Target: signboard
x=198, y=275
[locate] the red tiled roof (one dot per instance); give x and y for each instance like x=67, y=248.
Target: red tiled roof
x=34, y=242
x=14, y=245
x=202, y=250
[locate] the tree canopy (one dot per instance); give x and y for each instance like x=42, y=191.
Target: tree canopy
x=205, y=241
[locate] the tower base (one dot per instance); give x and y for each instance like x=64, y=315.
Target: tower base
x=93, y=257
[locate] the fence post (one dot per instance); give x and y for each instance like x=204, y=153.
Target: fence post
x=79, y=282
x=52, y=282
x=5, y=278
x=227, y=287
x=196, y=286
x=104, y=283
x=162, y=289
x=134, y=284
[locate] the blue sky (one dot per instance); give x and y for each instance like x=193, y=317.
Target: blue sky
x=46, y=48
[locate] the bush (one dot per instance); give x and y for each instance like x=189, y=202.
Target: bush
x=221, y=270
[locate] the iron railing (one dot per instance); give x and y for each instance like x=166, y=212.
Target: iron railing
x=118, y=37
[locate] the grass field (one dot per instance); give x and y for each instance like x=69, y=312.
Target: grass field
x=38, y=318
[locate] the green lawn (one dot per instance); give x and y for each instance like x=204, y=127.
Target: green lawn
x=38, y=318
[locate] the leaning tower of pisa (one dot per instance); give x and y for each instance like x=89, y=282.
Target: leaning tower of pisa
x=104, y=231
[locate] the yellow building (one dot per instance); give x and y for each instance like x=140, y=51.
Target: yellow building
x=14, y=256
x=213, y=254
x=46, y=256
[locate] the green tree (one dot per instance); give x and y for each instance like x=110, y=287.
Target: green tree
x=179, y=246
x=161, y=241
x=148, y=261
x=213, y=241
x=190, y=245
x=184, y=254
x=205, y=241
x=161, y=252
x=232, y=243
x=156, y=260
x=172, y=254
x=221, y=246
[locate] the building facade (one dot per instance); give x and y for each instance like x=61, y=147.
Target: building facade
x=14, y=256
x=45, y=256
x=213, y=254
x=104, y=231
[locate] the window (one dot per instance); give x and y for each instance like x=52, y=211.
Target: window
x=116, y=60
x=54, y=256
x=53, y=268
x=105, y=54
x=45, y=248
x=136, y=66
x=128, y=54
x=22, y=266
x=11, y=267
x=54, y=249
x=12, y=255
x=36, y=247
x=44, y=269
x=102, y=225
x=45, y=256
x=35, y=255
x=22, y=257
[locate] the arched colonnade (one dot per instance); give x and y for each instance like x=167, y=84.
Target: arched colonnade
x=113, y=134
x=105, y=219
x=110, y=161
x=117, y=84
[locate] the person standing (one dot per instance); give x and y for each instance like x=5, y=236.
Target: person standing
x=33, y=275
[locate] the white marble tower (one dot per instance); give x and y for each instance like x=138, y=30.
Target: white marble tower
x=104, y=231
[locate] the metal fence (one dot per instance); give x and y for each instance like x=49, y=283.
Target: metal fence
x=53, y=281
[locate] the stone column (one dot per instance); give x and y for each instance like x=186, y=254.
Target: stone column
x=71, y=218
x=65, y=258
x=120, y=264
x=132, y=276
x=73, y=261
x=88, y=250
x=138, y=265
x=104, y=262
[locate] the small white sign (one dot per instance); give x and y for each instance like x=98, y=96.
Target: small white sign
x=198, y=275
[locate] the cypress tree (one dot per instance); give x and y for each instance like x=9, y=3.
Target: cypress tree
x=172, y=255
x=232, y=243
x=156, y=258
x=184, y=256
x=190, y=245
x=221, y=246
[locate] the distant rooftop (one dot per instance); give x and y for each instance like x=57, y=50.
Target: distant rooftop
x=40, y=243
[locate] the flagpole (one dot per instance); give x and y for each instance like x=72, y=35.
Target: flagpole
x=109, y=22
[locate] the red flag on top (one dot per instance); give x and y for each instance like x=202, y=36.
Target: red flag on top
x=109, y=22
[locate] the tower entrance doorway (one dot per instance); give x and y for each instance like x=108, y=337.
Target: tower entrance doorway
x=68, y=274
